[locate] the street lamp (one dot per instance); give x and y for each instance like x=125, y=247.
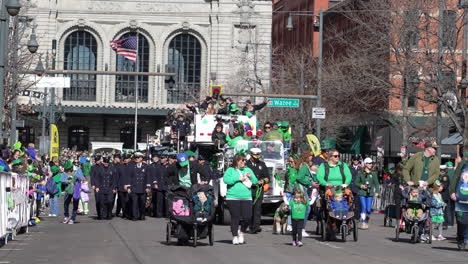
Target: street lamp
x=13, y=7
x=40, y=70
x=33, y=46
x=290, y=25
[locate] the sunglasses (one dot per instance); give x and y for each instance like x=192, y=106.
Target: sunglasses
x=243, y=160
x=267, y=127
x=370, y=163
x=336, y=156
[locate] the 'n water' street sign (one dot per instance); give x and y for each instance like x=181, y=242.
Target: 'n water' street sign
x=282, y=102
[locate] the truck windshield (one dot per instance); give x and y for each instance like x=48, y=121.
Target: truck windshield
x=271, y=150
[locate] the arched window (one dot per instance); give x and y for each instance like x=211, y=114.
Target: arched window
x=78, y=136
x=80, y=54
x=125, y=84
x=185, y=54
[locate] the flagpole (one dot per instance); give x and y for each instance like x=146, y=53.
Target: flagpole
x=136, y=96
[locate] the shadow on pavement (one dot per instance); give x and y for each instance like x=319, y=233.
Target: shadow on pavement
x=447, y=248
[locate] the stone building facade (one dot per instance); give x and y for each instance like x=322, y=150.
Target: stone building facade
x=205, y=42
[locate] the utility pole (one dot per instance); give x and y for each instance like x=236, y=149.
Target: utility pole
x=440, y=76
x=4, y=22
x=319, y=77
x=14, y=63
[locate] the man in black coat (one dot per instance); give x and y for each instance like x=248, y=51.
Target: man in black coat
x=123, y=179
x=154, y=173
x=117, y=162
x=159, y=174
x=95, y=170
x=138, y=185
x=106, y=187
x=186, y=172
x=261, y=172
x=355, y=168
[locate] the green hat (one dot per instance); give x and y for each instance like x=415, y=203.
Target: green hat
x=68, y=165
x=17, y=162
x=283, y=124
x=54, y=169
x=234, y=108
x=437, y=182
x=449, y=164
x=338, y=191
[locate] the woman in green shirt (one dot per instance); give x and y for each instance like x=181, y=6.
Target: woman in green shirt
x=239, y=180
x=368, y=185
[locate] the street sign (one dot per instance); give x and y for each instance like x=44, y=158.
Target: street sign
x=53, y=82
x=318, y=113
x=282, y=102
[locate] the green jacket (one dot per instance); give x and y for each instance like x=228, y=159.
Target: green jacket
x=456, y=176
x=57, y=178
x=413, y=169
x=334, y=177
x=303, y=175
x=86, y=169
x=373, y=187
x=235, y=188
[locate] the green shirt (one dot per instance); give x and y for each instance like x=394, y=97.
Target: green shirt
x=298, y=210
x=184, y=176
x=334, y=175
x=236, y=190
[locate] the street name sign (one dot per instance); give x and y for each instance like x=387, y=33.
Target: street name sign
x=283, y=102
x=318, y=113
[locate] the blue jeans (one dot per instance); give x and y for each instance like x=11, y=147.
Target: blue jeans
x=366, y=206
x=53, y=203
x=289, y=197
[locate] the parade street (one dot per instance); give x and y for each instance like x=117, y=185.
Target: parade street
x=121, y=241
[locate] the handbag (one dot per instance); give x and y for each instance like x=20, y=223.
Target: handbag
x=247, y=182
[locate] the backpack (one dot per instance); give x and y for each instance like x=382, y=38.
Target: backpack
x=327, y=171
x=51, y=186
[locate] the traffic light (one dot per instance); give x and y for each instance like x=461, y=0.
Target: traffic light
x=216, y=91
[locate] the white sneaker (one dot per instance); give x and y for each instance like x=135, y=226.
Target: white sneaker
x=241, y=238
x=289, y=228
x=70, y=222
x=65, y=220
x=304, y=233
x=235, y=241
x=51, y=215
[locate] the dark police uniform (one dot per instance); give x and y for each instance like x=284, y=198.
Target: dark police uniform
x=139, y=181
x=95, y=170
x=261, y=172
x=106, y=182
x=122, y=180
x=355, y=189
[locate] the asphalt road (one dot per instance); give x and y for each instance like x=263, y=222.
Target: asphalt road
x=121, y=241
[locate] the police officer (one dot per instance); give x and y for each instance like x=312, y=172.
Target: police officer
x=106, y=187
x=122, y=180
x=181, y=127
x=261, y=172
x=95, y=170
x=117, y=162
x=138, y=185
x=163, y=186
x=155, y=174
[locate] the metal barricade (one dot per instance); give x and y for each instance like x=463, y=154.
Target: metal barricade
x=5, y=183
x=14, y=204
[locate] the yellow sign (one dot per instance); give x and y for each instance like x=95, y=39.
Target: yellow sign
x=314, y=144
x=54, y=141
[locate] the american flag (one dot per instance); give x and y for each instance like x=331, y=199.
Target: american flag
x=127, y=47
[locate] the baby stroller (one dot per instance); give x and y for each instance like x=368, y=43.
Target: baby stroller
x=419, y=226
x=190, y=215
x=338, y=218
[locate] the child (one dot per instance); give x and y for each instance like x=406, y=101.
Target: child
x=298, y=211
x=339, y=205
x=202, y=206
x=84, y=196
x=437, y=209
x=41, y=191
x=414, y=210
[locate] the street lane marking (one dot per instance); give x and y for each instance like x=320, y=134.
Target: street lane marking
x=4, y=262
x=10, y=249
x=328, y=244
